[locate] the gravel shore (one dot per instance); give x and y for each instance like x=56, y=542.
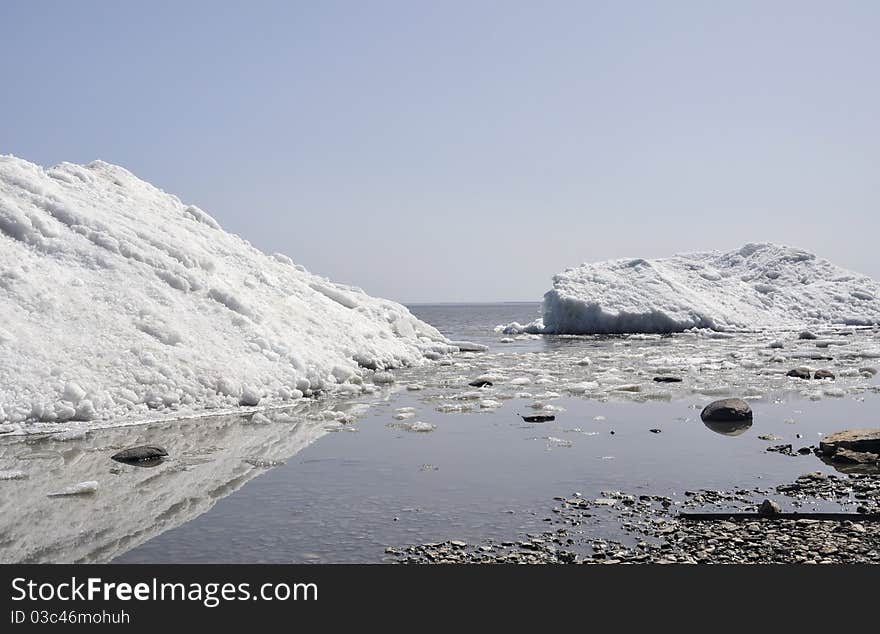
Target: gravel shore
x=657, y=534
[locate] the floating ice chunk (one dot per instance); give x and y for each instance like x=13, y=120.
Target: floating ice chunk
x=490, y=403
x=12, y=475
x=581, y=388
x=548, y=395
x=584, y=361
x=473, y=395
x=627, y=387
x=553, y=442
x=383, y=378
x=453, y=407
x=522, y=380
x=467, y=346
x=420, y=427
x=82, y=488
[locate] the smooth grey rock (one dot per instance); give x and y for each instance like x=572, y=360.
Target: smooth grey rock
x=824, y=374
x=142, y=453
x=727, y=410
x=806, y=334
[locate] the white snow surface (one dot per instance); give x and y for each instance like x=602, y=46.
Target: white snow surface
x=757, y=287
x=118, y=301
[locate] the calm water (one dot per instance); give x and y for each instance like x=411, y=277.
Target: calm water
x=235, y=491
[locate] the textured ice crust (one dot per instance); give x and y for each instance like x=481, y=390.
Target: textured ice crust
x=117, y=301
x=757, y=287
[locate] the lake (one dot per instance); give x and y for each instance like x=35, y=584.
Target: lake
x=339, y=481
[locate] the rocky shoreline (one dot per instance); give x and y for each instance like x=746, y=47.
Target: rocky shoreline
x=657, y=533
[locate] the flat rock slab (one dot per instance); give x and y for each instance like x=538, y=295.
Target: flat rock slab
x=856, y=440
x=539, y=418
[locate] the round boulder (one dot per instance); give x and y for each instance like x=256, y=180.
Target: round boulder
x=728, y=410
x=824, y=374
x=799, y=373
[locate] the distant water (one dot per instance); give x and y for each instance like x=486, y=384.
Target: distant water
x=475, y=322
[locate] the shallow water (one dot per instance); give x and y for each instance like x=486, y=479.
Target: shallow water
x=307, y=488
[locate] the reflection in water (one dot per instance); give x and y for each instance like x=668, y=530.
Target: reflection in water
x=208, y=459
x=865, y=468
x=731, y=428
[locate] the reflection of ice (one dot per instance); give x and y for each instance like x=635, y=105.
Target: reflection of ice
x=208, y=459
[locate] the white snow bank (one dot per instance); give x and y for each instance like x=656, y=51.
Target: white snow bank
x=117, y=299
x=757, y=287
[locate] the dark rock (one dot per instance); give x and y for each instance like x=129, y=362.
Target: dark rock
x=806, y=334
x=769, y=508
x=140, y=454
x=783, y=449
x=480, y=383
x=804, y=451
x=727, y=410
x=539, y=418
x=667, y=379
x=799, y=373
x=656, y=431
x=848, y=456
x=824, y=374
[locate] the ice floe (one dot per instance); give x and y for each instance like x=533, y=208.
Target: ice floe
x=756, y=287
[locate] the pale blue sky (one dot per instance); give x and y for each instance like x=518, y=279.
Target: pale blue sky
x=466, y=151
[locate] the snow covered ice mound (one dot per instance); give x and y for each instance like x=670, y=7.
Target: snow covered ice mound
x=757, y=287
x=118, y=300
